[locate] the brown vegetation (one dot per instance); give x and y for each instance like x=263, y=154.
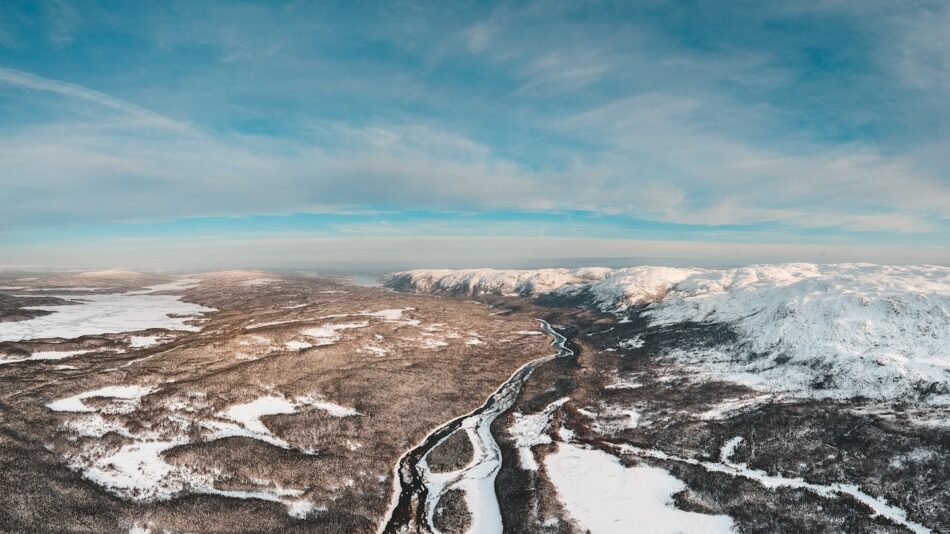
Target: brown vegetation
x=452, y=454
x=452, y=515
x=404, y=375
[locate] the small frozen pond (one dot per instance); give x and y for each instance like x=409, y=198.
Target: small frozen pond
x=105, y=314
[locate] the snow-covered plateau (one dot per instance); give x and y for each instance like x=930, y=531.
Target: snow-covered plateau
x=837, y=331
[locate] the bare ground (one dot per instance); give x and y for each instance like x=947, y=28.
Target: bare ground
x=396, y=375
x=375, y=389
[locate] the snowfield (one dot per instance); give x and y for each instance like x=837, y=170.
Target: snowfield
x=137, y=470
x=248, y=416
x=176, y=285
x=603, y=496
x=45, y=355
x=840, y=331
x=127, y=398
x=530, y=430
x=330, y=334
x=877, y=505
x=876, y=331
x=105, y=314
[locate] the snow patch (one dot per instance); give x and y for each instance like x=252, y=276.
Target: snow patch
x=333, y=409
x=58, y=354
x=376, y=351
x=433, y=343
x=289, y=497
x=604, y=496
x=729, y=448
x=7, y=358
x=249, y=414
x=623, y=384
x=247, y=417
x=135, y=470
x=259, y=281
x=105, y=314
x=141, y=342
x=529, y=333
x=730, y=407
x=394, y=314
x=177, y=285
x=272, y=323
x=633, y=343
x=95, y=425
x=530, y=430
x=878, y=505
x=330, y=334
x=125, y=399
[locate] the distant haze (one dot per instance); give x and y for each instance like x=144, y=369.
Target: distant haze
x=378, y=255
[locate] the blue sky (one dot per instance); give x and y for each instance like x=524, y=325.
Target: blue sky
x=150, y=133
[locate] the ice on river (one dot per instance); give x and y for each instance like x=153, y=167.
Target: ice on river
x=477, y=479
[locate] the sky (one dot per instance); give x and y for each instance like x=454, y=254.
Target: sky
x=206, y=134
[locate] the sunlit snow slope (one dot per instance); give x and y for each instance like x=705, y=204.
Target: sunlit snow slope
x=842, y=330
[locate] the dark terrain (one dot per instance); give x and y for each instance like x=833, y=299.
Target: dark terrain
x=421, y=361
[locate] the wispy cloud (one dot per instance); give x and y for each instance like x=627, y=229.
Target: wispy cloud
x=480, y=36
x=387, y=253
x=813, y=120
x=33, y=82
x=63, y=18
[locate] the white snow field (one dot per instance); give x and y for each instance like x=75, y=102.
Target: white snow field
x=137, y=470
x=297, y=345
x=46, y=355
x=105, y=314
x=142, y=342
x=878, y=505
x=126, y=397
x=530, y=430
x=176, y=285
x=249, y=414
x=247, y=417
x=603, y=496
x=877, y=331
x=330, y=334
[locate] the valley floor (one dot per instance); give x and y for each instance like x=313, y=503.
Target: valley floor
x=254, y=402
x=232, y=402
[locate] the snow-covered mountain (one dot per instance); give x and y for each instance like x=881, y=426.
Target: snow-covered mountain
x=840, y=330
x=493, y=281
